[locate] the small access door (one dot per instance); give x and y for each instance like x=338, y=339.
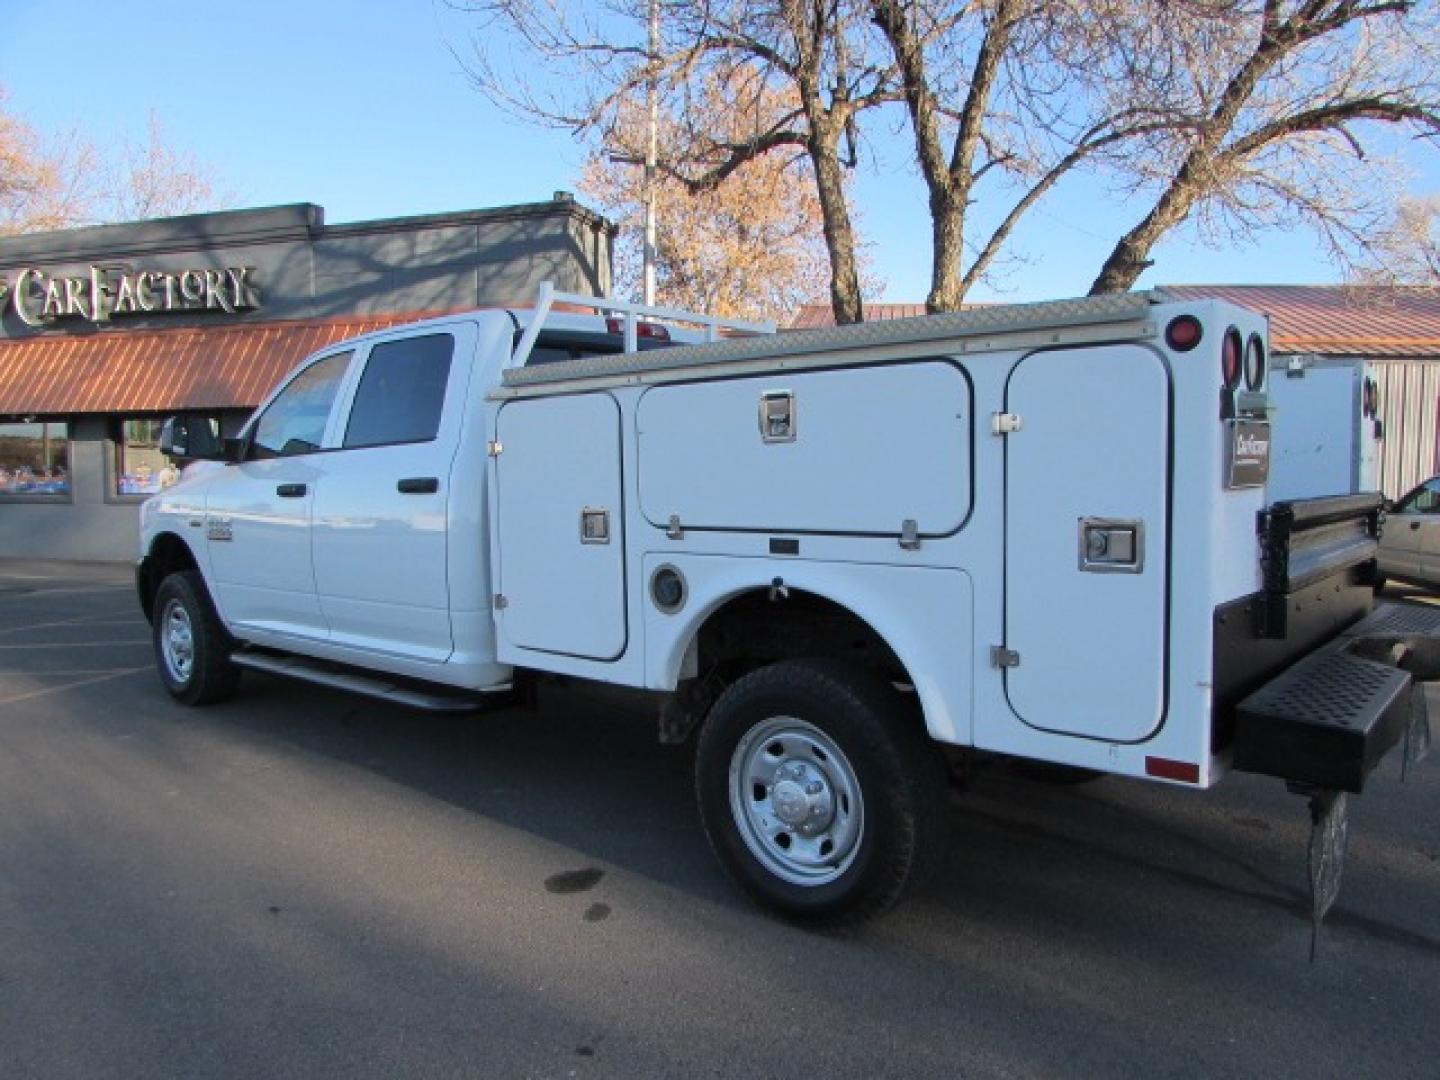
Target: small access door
x=1086, y=541
x=561, y=566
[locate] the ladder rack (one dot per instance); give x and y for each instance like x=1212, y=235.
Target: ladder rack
x=632, y=313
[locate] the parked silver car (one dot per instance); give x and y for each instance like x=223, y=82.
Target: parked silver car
x=1410, y=540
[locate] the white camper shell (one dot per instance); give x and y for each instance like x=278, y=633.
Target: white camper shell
x=843, y=555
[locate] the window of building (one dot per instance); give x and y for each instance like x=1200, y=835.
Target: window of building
x=402, y=392
x=35, y=459
x=140, y=467
x=294, y=423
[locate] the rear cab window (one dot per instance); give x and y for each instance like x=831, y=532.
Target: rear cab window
x=401, y=395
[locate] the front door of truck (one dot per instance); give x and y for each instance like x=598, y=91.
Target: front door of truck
x=1087, y=541
x=560, y=539
x=257, y=513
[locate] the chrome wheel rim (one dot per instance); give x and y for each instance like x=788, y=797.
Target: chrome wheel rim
x=796, y=801
x=177, y=642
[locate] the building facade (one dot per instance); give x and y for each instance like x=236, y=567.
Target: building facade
x=106, y=331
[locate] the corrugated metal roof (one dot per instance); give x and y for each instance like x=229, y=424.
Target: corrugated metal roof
x=1338, y=320
x=164, y=370
x=1333, y=320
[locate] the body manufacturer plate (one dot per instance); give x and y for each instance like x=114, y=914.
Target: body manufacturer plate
x=1247, y=456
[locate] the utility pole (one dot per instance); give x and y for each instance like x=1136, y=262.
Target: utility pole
x=652, y=101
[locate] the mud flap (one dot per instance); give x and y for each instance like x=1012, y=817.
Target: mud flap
x=1329, y=835
x=1417, y=732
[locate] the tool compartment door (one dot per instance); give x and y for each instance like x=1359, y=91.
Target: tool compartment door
x=559, y=519
x=1087, y=541
x=855, y=451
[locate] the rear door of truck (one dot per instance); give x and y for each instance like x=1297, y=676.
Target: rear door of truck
x=1087, y=482
x=561, y=543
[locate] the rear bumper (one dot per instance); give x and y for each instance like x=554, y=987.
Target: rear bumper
x=1328, y=719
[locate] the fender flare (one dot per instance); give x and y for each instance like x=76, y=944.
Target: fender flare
x=866, y=602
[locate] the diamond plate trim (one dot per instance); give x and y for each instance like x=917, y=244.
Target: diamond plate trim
x=1010, y=318
x=1331, y=689
x=1399, y=619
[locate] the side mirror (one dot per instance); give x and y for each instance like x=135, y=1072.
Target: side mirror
x=233, y=451
x=190, y=437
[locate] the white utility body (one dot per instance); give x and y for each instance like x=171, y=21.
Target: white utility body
x=1039, y=530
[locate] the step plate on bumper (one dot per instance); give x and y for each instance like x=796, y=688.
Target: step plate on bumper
x=1328, y=719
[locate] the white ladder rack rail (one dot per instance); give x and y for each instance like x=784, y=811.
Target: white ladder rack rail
x=633, y=312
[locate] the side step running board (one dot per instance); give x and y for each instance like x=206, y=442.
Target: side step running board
x=381, y=687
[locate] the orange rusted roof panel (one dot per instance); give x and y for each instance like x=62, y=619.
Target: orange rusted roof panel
x=165, y=370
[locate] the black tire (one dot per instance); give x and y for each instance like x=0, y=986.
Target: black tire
x=885, y=790
x=1378, y=583
x=201, y=672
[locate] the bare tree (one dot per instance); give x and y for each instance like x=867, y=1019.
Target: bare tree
x=750, y=247
x=1019, y=88
x=1408, y=253
x=153, y=179
x=1236, y=115
x=68, y=180
x=1275, y=107
x=823, y=58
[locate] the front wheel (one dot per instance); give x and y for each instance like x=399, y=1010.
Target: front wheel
x=819, y=790
x=192, y=649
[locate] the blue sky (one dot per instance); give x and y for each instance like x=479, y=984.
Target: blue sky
x=360, y=106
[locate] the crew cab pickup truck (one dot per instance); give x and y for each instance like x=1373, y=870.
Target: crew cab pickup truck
x=840, y=556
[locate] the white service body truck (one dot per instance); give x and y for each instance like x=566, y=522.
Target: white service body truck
x=841, y=555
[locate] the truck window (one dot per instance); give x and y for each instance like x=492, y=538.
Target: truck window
x=1423, y=500
x=402, y=392
x=557, y=347
x=294, y=423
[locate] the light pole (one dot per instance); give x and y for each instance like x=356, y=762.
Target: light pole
x=652, y=102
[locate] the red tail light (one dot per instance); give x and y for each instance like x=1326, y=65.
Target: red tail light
x=1230, y=349
x=1184, y=333
x=654, y=331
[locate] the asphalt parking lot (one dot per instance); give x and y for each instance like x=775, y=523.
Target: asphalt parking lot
x=299, y=883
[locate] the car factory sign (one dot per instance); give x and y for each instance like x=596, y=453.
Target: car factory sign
x=38, y=298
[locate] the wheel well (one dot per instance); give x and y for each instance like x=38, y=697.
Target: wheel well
x=168, y=555
x=752, y=629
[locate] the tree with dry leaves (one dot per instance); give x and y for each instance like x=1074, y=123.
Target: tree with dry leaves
x=1238, y=116
x=751, y=247
x=68, y=180
x=578, y=70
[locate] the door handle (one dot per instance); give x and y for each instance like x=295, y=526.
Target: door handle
x=291, y=491
x=1414, y=525
x=418, y=485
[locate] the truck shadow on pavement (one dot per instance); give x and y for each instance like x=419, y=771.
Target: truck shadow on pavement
x=584, y=770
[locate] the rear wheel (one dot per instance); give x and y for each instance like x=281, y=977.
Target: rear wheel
x=192, y=648
x=819, y=790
